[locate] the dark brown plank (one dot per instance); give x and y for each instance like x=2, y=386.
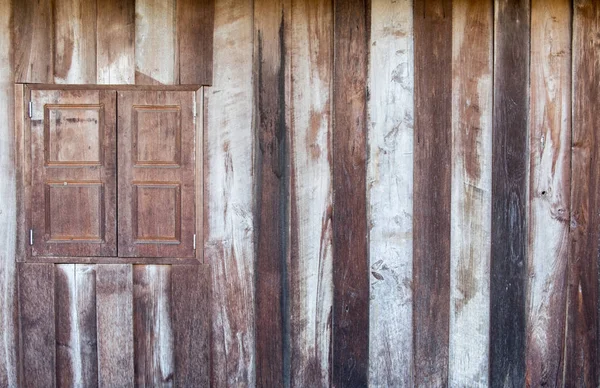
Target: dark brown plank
x=116, y=42
x=350, y=259
x=583, y=348
x=190, y=289
x=271, y=212
x=114, y=306
x=33, y=43
x=152, y=329
x=195, y=22
x=509, y=194
x=36, y=304
x=431, y=198
x=76, y=350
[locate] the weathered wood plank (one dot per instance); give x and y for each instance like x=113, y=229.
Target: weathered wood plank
x=8, y=204
x=549, y=190
x=271, y=189
x=191, y=325
x=390, y=189
x=472, y=61
x=152, y=328
x=195, y=22
x=309, y=108
x=156, y=53
x=75, y=41
x=116, y=42
x=36, y=306
x=76, y=351
x=228, y=200
x=33, y=42
x=583, y=336
x=350, y=257
x=431, y=198
x=114, y=308
x=509, y=194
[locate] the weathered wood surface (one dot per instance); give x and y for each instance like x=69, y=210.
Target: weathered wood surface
x=271, y=190
x=431, y=195
x=509, y=194
x=350, y=350
x=472, y=45
x=195, y=24
x=114, y=298
x=8, y=206
x=390, y=188
x=310, y=274
x=583, y=321
x=76, y=343
x=116, y=42
x=228, y=200
x=549, y=190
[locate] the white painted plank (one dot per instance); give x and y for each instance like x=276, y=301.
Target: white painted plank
x=471, y=192
x=229, y=233
x=390, y=190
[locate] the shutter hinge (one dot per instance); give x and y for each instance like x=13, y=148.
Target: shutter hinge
x=30, y=236
x=30, y=109
x=194, y=241
x=194, y=107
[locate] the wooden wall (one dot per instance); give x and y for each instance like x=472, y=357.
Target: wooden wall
x=396, y=193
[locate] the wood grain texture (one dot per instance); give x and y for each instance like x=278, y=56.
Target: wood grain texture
x=195, y=23
x=390, y=188
x=509, y=194
x=431, y=198
x=549, y=190
x=271, y=190
x=115, y=42
x=75, y=42
x=76, y=349
x=472, y=61
x=36, y=306
x=156, y=53
x=8, y=204
x=114, y=308
x=152, y=326
x=310, y=272
x=191, y=318
x=33, y=40
x=350, y=349
x=582, y=353
x=229, y=183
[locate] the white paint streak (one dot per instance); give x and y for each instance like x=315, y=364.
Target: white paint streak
x=471, y=194
x=390, y=193
x=229, y=237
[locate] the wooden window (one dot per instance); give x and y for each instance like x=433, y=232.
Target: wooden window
x=101, y=185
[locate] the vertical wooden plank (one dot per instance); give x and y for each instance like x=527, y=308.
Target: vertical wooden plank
x=152, y=329
x=191, y=325
x=195, y=22
x=156, y=53
x=583, y=336
x=33, y=40
x=310, y=64
x=36, y=305
x=390, y=188
x=432, y=180
x=509, y=193
x=472, y=61
x=114, y=306
x=350, y=257
x=75, y=42
x=271, y=189
x=8, y=203
x=116, y=42
x=549, y=190
x=229, y=183
x=76, y=351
